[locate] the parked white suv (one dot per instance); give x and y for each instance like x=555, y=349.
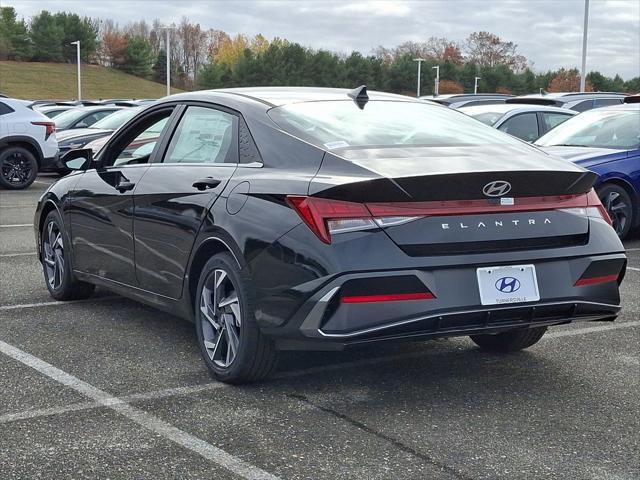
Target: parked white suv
x=27, y=144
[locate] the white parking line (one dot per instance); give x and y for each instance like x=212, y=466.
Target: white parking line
x=48, y=304
x=17, y=225
x=633, y=269
x=142, y=418
x=177, y=391
x=632, y=249
x=23, y=254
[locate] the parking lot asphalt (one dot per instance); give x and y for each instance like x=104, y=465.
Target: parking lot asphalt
x=108, y=388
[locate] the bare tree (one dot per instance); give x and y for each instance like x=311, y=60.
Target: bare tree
x=489, y=50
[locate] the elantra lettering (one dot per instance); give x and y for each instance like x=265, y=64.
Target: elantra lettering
x=496, y=223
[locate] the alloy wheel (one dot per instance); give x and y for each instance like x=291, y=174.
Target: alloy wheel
x=618, y=210
x=220, y=318
x=16, y=169
x=54, y=255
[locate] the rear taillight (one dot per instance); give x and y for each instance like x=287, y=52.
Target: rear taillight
x=325, y=216
x=50, y=128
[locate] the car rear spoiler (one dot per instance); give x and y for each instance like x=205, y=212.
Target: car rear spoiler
x=534, y=101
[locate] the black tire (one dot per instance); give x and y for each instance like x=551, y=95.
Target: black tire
x=18, y=168
x=255, y=354
x=61, y=286
x=509, y=341
x=619, y=206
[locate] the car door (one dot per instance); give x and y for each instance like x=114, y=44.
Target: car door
x=101, y=209
x=173, y=197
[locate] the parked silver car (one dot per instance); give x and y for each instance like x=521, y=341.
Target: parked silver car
x=527, y=122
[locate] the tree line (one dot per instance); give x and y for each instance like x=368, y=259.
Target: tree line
x=213, y=59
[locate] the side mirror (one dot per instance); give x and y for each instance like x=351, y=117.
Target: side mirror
x=81, y=125
x=79, y=159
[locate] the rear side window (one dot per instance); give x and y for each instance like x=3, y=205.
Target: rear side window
x=204, y=135
x=4, y=109
x=523, y=126
x=552, y=120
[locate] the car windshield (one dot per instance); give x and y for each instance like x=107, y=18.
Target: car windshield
x=488, y=118
x=116, y=119
x=615, y=129
x=68, y=118
x=342, y=124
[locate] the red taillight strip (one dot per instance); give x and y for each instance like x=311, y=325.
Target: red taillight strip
x=469, y=207
x=50, y=127
x=582, y=282
x=392, y=297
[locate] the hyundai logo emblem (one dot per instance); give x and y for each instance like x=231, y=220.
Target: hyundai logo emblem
x=508, y=285
x=496, y=188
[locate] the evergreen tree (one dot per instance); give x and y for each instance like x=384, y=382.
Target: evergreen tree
x=139, y=57
x=46, y=36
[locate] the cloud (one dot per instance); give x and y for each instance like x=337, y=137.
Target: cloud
x=548, y=32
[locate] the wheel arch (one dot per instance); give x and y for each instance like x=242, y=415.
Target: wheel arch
x=47, y=207
x=211, y=245
x=626, y=185
x=24, y=142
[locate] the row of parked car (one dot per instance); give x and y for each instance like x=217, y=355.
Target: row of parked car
x=604, y=138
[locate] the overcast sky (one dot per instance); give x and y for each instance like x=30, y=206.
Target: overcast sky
x=548, y=32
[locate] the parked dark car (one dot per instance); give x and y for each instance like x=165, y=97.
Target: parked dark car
x=457, y=100
x=606, y=141
x=308, y=218
x=83, y=117
x=79, y=137
x=577, y=101
x=527, y=122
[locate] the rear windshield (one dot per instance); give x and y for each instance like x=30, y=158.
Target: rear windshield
x=116, y=119
x=488, y=118
x=334, y=125
x=615, y=129
x=68, y=118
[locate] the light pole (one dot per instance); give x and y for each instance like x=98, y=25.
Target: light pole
x=475, y=85
x=437, y=69
x=419, y=60
x=168, y=50
x=583, y=74
x=77, y=44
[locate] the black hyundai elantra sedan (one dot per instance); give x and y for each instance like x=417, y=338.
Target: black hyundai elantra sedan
x=309, y=218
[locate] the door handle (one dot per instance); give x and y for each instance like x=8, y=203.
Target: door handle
x=205, y=183
x=125, y=186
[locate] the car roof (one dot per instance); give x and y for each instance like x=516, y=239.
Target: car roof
x=512, y=107
x=278, y=96
x=569, y=96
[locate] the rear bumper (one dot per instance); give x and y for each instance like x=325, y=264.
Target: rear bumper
x=455, y=310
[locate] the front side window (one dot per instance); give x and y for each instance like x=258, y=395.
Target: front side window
x=204, y=135
x=597, y=128
x=523, y=126
x=604, y=102
x=342, y=124
x=135, y=144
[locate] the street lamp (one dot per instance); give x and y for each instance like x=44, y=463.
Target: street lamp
x=437, y=69
x=419, y=60
x=168, y=50
x=77, y=44
x=583, y=74
x=475, y=85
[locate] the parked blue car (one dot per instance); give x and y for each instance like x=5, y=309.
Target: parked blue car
x=606, y=141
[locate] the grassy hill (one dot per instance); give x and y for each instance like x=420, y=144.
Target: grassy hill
x=33, y=80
